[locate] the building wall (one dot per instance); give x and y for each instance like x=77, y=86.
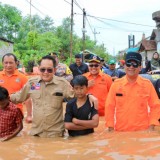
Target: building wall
x=147, y=54
x=150, y=54
x=5, y=47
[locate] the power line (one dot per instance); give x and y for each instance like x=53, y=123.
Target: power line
x=76, y=3
x=103, y=28
x=67, y=2
x=120, y=21
x=89, y=25
x=36, y=8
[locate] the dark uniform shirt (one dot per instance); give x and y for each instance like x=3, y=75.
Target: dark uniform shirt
x=85, y=112
x=78, y=70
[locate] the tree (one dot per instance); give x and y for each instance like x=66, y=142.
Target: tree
x=10, y=19
x=63, y=33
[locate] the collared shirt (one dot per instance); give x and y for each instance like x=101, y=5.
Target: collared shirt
x=13, y=83
x=100, y=89
x=47, y=98
x=10, y=118
x=78, y=70
x=127, y=105
x=112, y=73
x=85, y=112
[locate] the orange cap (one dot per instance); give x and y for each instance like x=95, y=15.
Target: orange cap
x=122, y=61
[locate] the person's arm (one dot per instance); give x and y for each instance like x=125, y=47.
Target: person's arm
x=68, y=118
x=110, y=108
x=93, y=101
x=19, y=128
x=21, y=95
x=87, y=123
x=18, y=120
x=72, y=126
x=154, y=104
x=68, y=74
x=148, y=66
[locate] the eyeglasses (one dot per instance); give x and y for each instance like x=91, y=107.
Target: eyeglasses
x=135, y=65
x=49, y=70
x=93, y=65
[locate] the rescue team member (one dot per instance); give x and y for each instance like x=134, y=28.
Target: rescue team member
x=13, y=80
x=99, y=83
x=78, y=68
x=128, y=100
x=80, y=118
x=10, y=117
x=62, y=70
x=47, y=92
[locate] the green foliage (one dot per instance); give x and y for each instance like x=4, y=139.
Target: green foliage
x=10, y=18
x=1, y=66
x=31, y=40
x=36, y=37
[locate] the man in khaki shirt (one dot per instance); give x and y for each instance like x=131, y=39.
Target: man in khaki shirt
x=47, y=93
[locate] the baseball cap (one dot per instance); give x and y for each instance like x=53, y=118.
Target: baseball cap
x=134, y=56
x=122, y=61
x=94, y=58
x=112, y=61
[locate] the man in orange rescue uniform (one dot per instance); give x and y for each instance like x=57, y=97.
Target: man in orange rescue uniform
x=99, y=83
x=13, y=81
x=132, y=103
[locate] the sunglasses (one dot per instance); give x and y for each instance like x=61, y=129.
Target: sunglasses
x=49, y=70
x=93, y=65
x=135, y=65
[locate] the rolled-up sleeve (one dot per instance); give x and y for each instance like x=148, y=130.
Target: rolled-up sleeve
x=21, y=95
x=68, y=114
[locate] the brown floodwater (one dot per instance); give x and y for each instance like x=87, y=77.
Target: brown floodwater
x=98, y=146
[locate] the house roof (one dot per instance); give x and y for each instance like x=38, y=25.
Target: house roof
x=3, y=39
x=148, y=45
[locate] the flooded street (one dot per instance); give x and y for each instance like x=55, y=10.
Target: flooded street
x=98, y=146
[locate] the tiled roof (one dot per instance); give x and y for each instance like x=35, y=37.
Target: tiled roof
x=148, y=45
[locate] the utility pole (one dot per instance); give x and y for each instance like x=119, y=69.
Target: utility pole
x=95, y=34
x=71, y=33
x=30, y=16
x=83, y=31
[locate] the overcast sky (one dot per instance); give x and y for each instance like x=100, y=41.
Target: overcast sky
x=105, y=18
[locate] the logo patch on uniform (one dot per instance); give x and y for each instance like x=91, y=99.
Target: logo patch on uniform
x=1, y=81
x=35, y=86
x=17, y=80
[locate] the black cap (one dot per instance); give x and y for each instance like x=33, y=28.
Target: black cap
x=94, y=58
x=134, y=56
x=78, y=55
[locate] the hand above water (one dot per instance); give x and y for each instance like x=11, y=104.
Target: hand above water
x=3, y=139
